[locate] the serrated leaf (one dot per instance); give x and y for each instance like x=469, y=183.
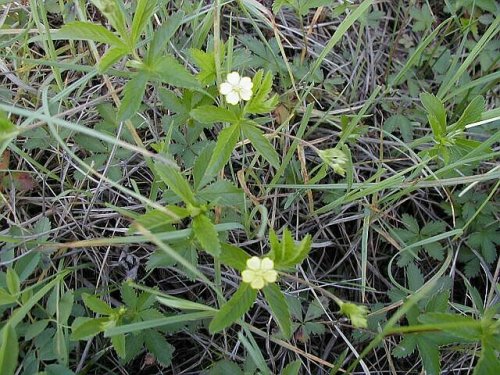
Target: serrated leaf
x=79, y=30
x=415, y=277
x=171, y=101
x=8, y=131
x=279, y=308
x=223, y=193
x=206, y=234
x=112, y=10
x=163, y=35
x=438, y=302
x=401, y=123
x=206, y=62
x=85, y=328
x=133, y=94
x=435, y=112
x=488, y=363
x=226, y=141
x=110, y=57
x=143, y=12
x=65, y=307
x=405, y=347
x=118, y=343
x=9, y=350
x=225, y=367
x=201, y=164
x=292, y=368
x=234, y=309
x=471, y=114
x=464, y=327
x=260, y=103
x=97, y=305
x=159, y=347
x=13, y=282
x=168, y=70
x=209, y=114
x=176, y=182
x=233, y=256
x=261, y=144
x=430, y=356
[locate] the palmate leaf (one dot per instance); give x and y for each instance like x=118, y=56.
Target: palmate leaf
x=206, y=62
x=233, y=309
x=260, y=102
x=163, y=35
x=112, y=10
x=168, y=70
x=209, y=114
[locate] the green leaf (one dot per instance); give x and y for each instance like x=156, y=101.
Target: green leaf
x=8, y=131
x=13, y=282
x=261, y=144
x=401, y=123
x=225, y=367
x=65, y=307
x=171, y=101
x=488, y=363
x=206, y=62
x=110, y=57
x=436, y=113
x=471, y=114
x=226, y=141
x=9, y=350
x=430, y=356
x=209, y=114
x=86, y=328
x=415, y=277
x=163, y=35
x=143, y=12
x=223, y=193
x=97, y=305
x=60, y=347
x=233, y=309
x=118, y=342
x=176, y=182
x=167, y=69
x=405, y=347
x=260, y=103
x=201, y=165
x=292, y=368
x=279, y=308
x=233, y=256
x=133, y=94
x=287, y=253
x=463, y=326
x=78, y=30
x=206, y=234
x=112, y=10
x=6, y=298
x=159, y=347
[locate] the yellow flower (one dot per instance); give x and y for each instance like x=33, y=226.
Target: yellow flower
x=236, y=88
x=356, y=313
x=259, y=272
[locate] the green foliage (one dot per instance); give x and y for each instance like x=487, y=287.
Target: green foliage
x=287, y=253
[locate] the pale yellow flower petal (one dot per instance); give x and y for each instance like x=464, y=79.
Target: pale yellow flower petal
x=248, y=276
x=254, y=263
x=267, y=264
x=245, y=94
x=270, y=276
x=257, y=283
x=233, y=98
x=233, y=78
x=246, y=83
x=225, y=88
